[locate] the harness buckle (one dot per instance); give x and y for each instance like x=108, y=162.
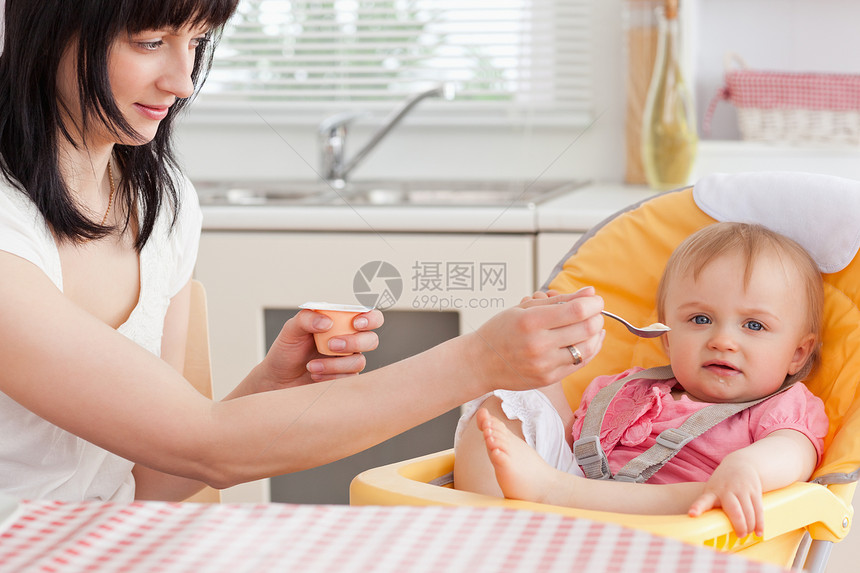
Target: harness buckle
x=674, y=438
x=588, y=450
x=590, y=455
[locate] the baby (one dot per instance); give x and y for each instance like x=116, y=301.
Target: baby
x=744, y=305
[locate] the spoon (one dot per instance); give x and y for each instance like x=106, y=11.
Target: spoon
x=650, y=331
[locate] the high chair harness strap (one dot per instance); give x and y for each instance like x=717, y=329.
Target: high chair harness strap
x=591, y=457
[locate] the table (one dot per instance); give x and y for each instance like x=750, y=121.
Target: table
x=157, y=536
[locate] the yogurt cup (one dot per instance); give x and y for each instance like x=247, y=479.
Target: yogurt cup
x=341, y=316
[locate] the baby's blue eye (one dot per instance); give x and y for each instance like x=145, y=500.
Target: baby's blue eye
x=754, y=325
x=701, y=319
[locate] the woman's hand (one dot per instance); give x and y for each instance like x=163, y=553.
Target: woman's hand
x=293, y=359
x=527, y=346
x=540, y=295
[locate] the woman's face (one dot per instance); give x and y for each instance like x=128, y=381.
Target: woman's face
x=148, y=72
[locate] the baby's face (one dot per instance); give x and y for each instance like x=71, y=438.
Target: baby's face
x=732, y=342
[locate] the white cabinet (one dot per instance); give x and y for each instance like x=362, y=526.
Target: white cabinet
x=550, y=248
x=469, y=277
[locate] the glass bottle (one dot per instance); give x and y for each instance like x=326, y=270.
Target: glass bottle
x=669, y=138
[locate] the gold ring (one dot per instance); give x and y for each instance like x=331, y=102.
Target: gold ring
x=577, y=355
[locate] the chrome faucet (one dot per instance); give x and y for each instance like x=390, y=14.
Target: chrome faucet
x=332, y=135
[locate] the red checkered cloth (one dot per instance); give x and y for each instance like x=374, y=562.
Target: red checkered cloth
x=784, y=90
x=166, y=537
x=781, y=90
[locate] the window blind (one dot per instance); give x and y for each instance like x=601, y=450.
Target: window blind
x=507, y=58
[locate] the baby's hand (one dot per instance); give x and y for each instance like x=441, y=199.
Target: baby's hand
x=735, y=486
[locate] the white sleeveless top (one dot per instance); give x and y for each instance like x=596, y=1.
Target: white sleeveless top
x=38, y=460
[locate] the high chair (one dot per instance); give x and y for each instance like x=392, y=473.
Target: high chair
x=623, y=258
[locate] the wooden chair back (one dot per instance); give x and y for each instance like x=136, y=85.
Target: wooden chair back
x=198, y=366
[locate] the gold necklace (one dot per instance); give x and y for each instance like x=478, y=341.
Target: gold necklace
x=110, y=197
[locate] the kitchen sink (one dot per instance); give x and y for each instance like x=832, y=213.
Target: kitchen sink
x=256, y=194
x=385, y=193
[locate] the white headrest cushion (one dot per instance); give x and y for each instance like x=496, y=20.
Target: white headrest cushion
x=821, y=212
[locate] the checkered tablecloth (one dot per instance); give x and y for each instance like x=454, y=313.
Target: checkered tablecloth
x=154, y=536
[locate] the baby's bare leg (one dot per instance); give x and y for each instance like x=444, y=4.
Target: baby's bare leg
x=523, y=474
x=520, y=471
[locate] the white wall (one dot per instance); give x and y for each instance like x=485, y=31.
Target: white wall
x=774, y=35
x=255, y=152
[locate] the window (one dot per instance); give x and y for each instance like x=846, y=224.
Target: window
x=509, y=59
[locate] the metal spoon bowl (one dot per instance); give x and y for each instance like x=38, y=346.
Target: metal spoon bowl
x=650, y=331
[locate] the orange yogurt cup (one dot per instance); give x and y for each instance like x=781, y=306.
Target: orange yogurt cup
x=341, y=316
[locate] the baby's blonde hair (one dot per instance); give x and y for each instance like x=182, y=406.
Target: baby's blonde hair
x=708, y=244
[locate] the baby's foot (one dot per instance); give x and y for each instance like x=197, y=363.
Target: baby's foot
x=520, y=471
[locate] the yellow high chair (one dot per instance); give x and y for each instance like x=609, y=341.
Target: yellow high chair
x=623, y=259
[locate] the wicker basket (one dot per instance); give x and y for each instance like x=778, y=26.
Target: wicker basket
x=791, y=107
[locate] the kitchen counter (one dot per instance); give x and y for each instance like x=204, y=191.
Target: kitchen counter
x=376, y=219
x=578, y=210
x=584, y=208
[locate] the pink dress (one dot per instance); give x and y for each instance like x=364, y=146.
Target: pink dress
x=644, y=408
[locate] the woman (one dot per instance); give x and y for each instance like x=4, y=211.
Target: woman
x=98, y=237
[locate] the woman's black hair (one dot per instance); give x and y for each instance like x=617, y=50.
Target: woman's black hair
x=37, y=33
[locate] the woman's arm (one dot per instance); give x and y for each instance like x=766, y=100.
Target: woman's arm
x=81, y=375
x=296, y=347
x=149, y=483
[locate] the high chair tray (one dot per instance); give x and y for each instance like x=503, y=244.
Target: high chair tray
x=799, y=506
